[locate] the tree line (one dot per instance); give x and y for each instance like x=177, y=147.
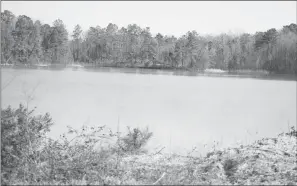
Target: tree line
x=26, y=41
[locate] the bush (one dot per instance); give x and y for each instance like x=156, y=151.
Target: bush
x=73, y=159
x=29, y=157
x=134, y=141
x=22, y=137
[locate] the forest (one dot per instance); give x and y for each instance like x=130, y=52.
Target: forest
x=24, y=41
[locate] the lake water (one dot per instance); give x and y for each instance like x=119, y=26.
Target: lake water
x=183, y=112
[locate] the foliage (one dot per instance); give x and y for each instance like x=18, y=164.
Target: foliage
x=23, y=37
x=7, y=41
x=89, y=154
x=22, y=135
x=135, y=140
x=22, y=41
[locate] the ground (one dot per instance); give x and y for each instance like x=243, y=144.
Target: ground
x=267, y=161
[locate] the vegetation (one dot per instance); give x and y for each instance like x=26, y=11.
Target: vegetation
x=29, y=156
x=97, y=156
x=28, y=42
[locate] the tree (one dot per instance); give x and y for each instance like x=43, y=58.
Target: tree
x=211, y=55
x=111, y=29
x=7, y=41
x=123, y=33
x=36, y=50
x=84, y=49
x=96, y=44
x=148, y=50
x=160, y=42
x=268, y=42
x=244, y=48
x=59, y=41
x=133, y=42
x=166, y=46
x=76, y=43
x=24, y=39
x=221, y=57
x=112, y=41
x=197, y=47
x=46, y=32
x=282, y=57
x=180, y=51
x=235, y=54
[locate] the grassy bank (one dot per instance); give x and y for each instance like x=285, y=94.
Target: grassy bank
x=97, y=156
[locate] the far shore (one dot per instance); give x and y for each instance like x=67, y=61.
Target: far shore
x=158, y=70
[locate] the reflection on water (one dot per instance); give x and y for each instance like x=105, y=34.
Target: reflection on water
x=183, y=112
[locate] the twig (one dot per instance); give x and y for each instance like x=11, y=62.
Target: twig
x=192, y=151
x=159, y=178
x=158, y=151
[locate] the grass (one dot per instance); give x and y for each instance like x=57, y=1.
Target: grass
x=97, y=156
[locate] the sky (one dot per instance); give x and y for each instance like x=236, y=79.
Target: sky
x=166, y=17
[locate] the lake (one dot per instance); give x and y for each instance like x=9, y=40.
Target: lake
x=183, y=112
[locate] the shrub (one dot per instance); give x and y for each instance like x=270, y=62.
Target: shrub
x=134, y=141
x=29, y=157
x=22, y=137
x=79, y=157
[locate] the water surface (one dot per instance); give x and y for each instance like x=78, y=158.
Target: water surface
x=183, y=112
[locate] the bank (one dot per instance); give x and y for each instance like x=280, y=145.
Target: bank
x=157, y=70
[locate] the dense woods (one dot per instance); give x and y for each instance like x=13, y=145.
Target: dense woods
x=24, y=41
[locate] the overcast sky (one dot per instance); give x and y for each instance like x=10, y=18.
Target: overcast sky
x=172, y=18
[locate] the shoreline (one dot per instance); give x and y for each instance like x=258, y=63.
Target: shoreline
x=262, y=75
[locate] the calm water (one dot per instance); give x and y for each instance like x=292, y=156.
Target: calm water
x=183, y=112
